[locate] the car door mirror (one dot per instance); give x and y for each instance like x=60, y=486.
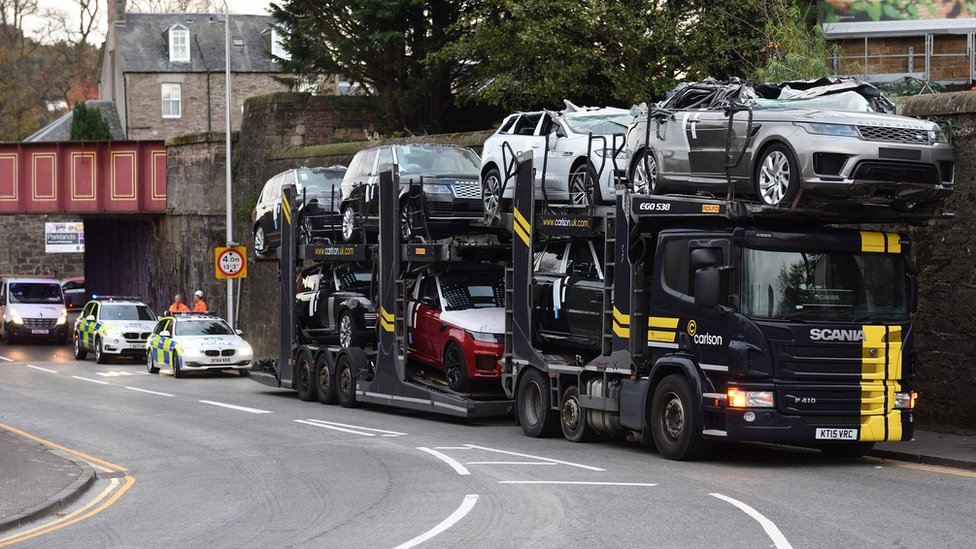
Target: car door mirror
x=164, y=333
x=90, y=317
x=707, y=288
x=581, y=268
x=239, y=332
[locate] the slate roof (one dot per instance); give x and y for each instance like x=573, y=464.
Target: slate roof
x=60, y=129
x=142, y=46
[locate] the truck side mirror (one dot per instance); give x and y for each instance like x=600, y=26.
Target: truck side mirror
x=703, y=257
x=707, y=288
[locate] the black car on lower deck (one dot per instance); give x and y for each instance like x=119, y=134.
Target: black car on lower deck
x=333, y=305
x=567, y=296
x=447, y=175
x=317, y=197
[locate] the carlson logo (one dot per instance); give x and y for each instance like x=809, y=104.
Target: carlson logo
x=826, y=334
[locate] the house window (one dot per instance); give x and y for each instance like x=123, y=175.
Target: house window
x=172, y=101
x=277, y=45
x=179, y=46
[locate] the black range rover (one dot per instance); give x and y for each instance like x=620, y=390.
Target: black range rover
x=447, y=174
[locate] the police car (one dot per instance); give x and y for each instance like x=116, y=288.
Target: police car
x=113, y=326
x=189, y=342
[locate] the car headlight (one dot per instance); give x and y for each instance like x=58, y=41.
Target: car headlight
x=245, y=350
x=437, y=189
x=835, y=130
x=63, y=319
x=750, y=399
x=938, y=136
x=622, y=154
x=487, y=337
x=15, y=316
x=113, y=332
x=191, y=352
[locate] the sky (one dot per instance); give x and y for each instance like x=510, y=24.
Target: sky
x=258, y=7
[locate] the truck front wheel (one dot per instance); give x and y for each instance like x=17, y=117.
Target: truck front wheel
x=674, y=423
x=535, y=412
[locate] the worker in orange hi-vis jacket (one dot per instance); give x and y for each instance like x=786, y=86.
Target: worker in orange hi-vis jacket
x=199, y=305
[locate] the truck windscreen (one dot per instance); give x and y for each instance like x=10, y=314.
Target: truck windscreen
x=29, y=292
x=834, y=286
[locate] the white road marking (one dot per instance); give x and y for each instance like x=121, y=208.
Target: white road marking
x=5, y=359
x=571, y=464
x=385, y=433
x=119, y=374
x=235, y=407
x=100, y=382
x=469, y=501
x=779, y=540
x=41, y=369
x=585, y=483
x=456, y=465
x=510, y=463
x=452, y=447
x=148, y=391
x=334, y=428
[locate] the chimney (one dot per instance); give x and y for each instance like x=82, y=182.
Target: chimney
x=116, y=13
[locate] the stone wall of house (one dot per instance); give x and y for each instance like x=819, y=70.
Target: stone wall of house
x=945, y=330
x=23, y=248
x=202, y=107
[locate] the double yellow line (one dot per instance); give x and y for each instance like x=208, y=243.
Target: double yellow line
x=102, y=501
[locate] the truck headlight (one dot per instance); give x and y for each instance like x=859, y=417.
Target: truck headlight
x=905, y=401
x=835, y=130
x=15, y=316
x=750, y=399
x=63, y=319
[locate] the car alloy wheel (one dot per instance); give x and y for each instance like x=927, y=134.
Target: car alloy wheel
x=455, y=370
x=491, y=195
x=579, y=191
x=774, y=177
x=260, y=243
x=346, y=329
x=645, y=174
x=348, y=223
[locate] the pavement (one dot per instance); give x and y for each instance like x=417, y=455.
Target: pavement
x=932, y=448
x=35, y=482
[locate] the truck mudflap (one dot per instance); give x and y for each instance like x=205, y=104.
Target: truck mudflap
x=773, y=426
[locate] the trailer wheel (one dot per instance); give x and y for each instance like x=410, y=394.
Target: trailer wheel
x=345, y=381
x=535, y=412
x=674, y=424
x=305, y=378
x=846, y=450
x=572, y=417
x=325, y=380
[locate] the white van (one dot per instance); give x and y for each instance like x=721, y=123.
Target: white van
x=32, y=307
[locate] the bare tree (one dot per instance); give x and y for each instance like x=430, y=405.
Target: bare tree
x=175, y=6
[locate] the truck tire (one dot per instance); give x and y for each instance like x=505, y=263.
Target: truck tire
x=305, y=378
x=674, y=423
x=533, y=405
x=345, y=381
x=572, y=417
x=100, y=356
x=325, y=380
x=846, y=450
x=80, y=352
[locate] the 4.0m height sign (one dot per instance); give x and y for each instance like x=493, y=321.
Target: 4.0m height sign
x=231, y=262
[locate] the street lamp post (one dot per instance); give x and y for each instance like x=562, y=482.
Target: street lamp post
x=229, y=221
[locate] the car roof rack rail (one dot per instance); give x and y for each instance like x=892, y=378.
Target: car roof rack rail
x=116, y=297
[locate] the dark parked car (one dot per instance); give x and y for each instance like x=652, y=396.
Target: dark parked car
x=448, y=175
x=567, y=297
x=332, y=303
x=75, y=296
x=828, y=139
x=317, y=190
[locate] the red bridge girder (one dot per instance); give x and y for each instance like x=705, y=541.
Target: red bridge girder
x=83, y=177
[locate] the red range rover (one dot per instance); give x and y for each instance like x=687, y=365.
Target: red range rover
x=456, y=323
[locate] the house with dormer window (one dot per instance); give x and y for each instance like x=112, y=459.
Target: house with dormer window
x=164, y=72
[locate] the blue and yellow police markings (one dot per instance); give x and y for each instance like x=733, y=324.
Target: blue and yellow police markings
x=162, y=349
x=87, y=330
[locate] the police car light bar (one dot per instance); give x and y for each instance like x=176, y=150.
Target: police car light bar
x=188, y=313
x=116, y=297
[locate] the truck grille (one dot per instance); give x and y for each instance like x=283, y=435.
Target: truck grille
x=40, y=322
x=866, y=400
x=467, y=190
x=894, y=135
